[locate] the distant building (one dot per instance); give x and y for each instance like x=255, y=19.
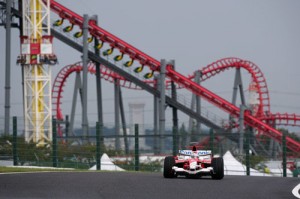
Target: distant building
x=136, y=111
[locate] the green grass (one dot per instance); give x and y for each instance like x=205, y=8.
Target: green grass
x=19, y=169
x=23, y=170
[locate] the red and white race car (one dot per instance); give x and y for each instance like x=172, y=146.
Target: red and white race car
x=194, y=163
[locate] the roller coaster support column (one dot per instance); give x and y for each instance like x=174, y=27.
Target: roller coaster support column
x=117, y=114
x=237, y=84
x=123, y=123
x=155, y=118
x=98, y=84
x=274, y=147
x=198, y=75
x=248, y=132
x=175, y=116
x=7, y=67
x=98, y=145
x=77, y=86
x=211, y=140
x=162, y=103
x=191, y=120
x=84, y=76
x=241, y=128
x=271, y=148
x=195, y=100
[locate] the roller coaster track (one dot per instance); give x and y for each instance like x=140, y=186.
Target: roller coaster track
x=283, y=119
x=109, y=75
x=109, y=71
x=112, y=71
x=154, y=65
x=207, y=72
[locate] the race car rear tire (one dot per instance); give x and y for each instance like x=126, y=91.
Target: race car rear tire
x=218, y=168
x=168, y=164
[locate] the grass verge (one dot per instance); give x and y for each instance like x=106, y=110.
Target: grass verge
x=24, y=169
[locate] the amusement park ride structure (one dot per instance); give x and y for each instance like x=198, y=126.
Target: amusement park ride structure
x=37, y=58
x=37, y=74
x=144, y=60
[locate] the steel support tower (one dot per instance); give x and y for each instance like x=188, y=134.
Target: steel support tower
x=36, y=59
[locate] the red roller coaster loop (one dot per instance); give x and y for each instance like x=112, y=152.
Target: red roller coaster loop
x=264, y=112
x=64, y=73
x=256, y=75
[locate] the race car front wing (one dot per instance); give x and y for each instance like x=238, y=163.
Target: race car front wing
x=189, y=172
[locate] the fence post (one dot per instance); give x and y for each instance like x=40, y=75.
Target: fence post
x=284, y=153
x=136, y=148
x=175, y=140
x=98, y=159
x=247, y=152
x=54, y=143
x=15, y=141
x=211, y=140
x=67, y=127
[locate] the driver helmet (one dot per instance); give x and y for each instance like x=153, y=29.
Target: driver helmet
x=194, y=148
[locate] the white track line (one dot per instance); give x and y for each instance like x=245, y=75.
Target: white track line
x=296, y=191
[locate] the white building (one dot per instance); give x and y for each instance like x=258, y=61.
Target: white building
x=136, y=111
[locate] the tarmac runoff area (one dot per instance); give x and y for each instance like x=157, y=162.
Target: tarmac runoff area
x=130, y=185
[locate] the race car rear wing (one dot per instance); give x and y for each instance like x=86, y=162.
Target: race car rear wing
x=198, y=152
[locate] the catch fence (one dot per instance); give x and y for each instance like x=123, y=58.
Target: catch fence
x=143, y=149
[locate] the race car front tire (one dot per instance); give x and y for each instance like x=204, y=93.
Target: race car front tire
x=168, y=164
x=218, y=168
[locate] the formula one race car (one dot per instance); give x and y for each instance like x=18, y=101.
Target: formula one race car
x=194, y=163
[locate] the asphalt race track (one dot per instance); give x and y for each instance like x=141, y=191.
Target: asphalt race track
x=129, y=185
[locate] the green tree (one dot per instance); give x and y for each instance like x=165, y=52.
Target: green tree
x=182, y=136
x=290, y=134
x=194, y=133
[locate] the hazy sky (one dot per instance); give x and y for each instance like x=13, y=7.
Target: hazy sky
x=195, y=33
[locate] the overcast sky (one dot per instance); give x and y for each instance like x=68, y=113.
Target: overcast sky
x=193, y=32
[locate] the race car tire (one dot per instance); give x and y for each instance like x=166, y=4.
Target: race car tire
x=218, y=168
x=168, y=164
